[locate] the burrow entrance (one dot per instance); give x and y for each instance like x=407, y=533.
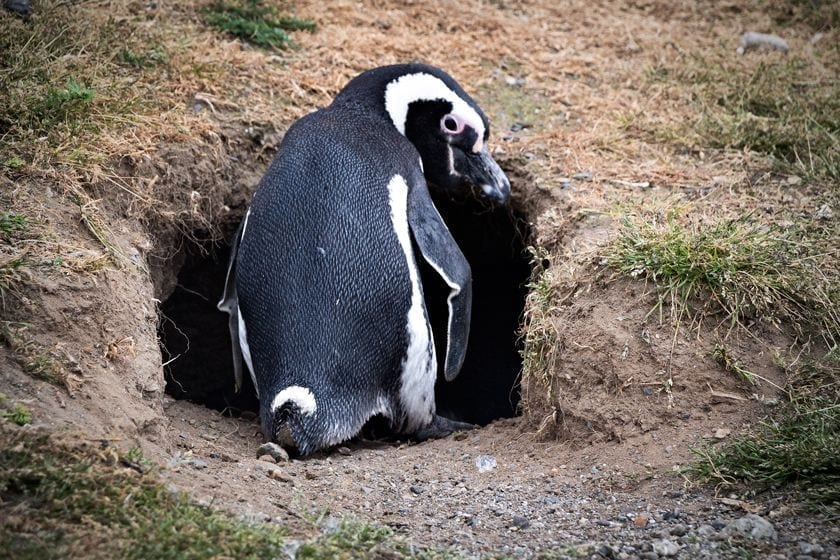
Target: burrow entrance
x=195, y=342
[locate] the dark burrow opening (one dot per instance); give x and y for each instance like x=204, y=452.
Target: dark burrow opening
x=195, y=342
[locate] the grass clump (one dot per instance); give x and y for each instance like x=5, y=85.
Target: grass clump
x=19, y=414
x=33, y=358
x=260, y=25
x=361, y=540
x=11, y=223
x=740, y=267
x=787, y=109
x=63, y=105
x=800, y=448
x=71, y=500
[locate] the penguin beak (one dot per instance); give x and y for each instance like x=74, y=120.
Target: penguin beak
x=486, y=174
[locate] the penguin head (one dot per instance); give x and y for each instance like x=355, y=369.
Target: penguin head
x=447, y=127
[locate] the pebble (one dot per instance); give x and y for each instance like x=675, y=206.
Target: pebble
x=810, y=549
x=277, y=474
x=582, y=176
x=278, y=453
x=641, y=520
x=344, y=451
x=666, y=548
x=267, y=458
x=521, y=522
x=417, y=489
x=753, y=526
x=485, y=463
x=679, y=530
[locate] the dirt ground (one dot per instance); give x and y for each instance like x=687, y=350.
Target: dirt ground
x=594, y=459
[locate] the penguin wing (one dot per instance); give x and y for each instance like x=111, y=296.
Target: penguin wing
x=230, y=304
x=440, y=250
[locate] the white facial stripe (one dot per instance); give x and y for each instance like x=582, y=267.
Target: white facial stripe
x=407, y=89
x=301, y=396
x=417, y=381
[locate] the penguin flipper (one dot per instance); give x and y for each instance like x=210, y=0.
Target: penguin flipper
x=230, y=304
x=440, y=250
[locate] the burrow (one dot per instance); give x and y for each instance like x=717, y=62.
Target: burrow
x=195, y=343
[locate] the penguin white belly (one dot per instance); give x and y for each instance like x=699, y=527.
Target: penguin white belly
x=419, y=366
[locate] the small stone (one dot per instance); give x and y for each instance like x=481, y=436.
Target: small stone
x=825, y=212
x=267, y=458
x=417, y=489
x=198, y=463
x=277, y=474
x=679, y=530
x=794, y=180
x=485, y=463
x=666, y=548
x=721, y=433
x=582, y=176
x=752, y=526
x=552, y=500
x=810, y=549
x=641, y=520
x=651, y=555
x=278, y=453
x=521, y=522
x=344, y=451
x=606, y=551
x=706, y=531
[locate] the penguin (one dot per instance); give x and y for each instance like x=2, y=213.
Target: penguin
x=325, y=300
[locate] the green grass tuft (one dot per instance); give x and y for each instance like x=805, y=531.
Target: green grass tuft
x=257, y=24
x=361, y=540
x=63, y=105
x=20, y=415
x=14, y=162
x=11, y=223
x=740, y=267
x=800, y=448
x=69, y=501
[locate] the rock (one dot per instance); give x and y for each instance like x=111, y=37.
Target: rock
x=649, y=555
x=267, y=458
x=582, y=176
x=485, y=463
x=20, y=7
x=521, y=522
x=641, y=520
x=605, y=551
x=721, y=433
x=417, y=489
x=199, y=463
x=752, y=526
x=277, y=453
x=666, y=548
x=753, y=40
x=679, y=530
x=344, y=451
x=277, y=474
x=810, y=549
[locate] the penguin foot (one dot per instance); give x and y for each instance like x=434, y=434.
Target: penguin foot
x=441, y=427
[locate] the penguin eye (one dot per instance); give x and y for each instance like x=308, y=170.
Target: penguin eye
x=451, y=124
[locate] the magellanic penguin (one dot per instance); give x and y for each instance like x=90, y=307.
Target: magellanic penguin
x=323, y=290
